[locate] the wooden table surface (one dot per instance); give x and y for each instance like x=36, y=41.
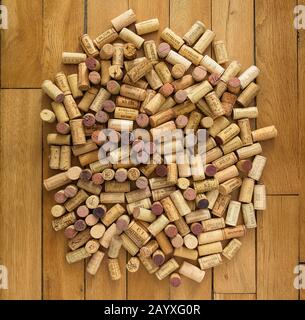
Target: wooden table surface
x=259, y=32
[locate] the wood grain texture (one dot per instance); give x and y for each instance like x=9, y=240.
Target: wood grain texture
x=229, y=19
x=21, y=45
x=234, y=296
x=301, y=111
x=20, y=185
x=278, y=96
x=101, y=286
x=277, y=248
x=142, y=285
x=189, y=11
x=60, y=280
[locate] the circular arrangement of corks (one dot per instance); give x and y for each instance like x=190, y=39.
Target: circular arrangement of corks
x=163, y=138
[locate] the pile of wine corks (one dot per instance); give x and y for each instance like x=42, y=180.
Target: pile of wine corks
x=123, y=183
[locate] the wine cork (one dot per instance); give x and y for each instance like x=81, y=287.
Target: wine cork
x=246, y=190
x=64, y=221
x=213, y=224
x=226, y=174
x=92, y=246
x=170, y=209
x=158, y=257
x=126, y=103
x=114, y=269
x=199, y=73
x=198, y=215
x=185, y=82
x=56, y=181
x=205, y=185
x=248, y=76
x=150, y=51
x=77, y=255
x=194, y=33
x=245, y=131
x=202, y=90
x=210, y=248
x=232, y=71
x=83, y=77
x=129, y=245
x=177, y=241
x=137, y=195
x=233, y=85
x=230, y=185
x=145, y=203
x=181, y=121
x=264, y=134
x=154, y=105
x=161, y=117
x=47, y=116
x=249, y=215
x=77, y=200
x=118, y=55
x=71, y=107
x=175, y=280
x=89, y=186
x=227, y=134
x=190, y=54
x=232, y=145
x=221, y=205
x=233, y=213
x=155, y=83
x=244, y=166
x=139, y=71
x=204, y=41
x=158, y=225
x=88, y=46
x=214, y=104
x=147, y=26
x=163, y=50
x=247, y=96
x=95, y=262
x=123, y=20
x=210, y=144
x=114, y=247
x=92, y=64
x=82, y=211
x=138, y=233
x=171, y=230
x=212, y=197
x=240, y=113
x=259, y=198
x=220, y=89
x=73, y=57
x=122, y=223
x=201, y=201
x=94, y=77
x=129, y=36
x=213, y=154
x=87, y=99
x=65, y=158
x=52, y=91
x=172, y=38
x=148, y=264
x=214, y=79
x=107, y=51
x=133, y=264
x=183, y=252
x=106, y=37
x=113, y=214
x=144, y=215
x=211, y=65
x=70, y=232
x=163, y=72
x=115, y=186
x=190, y=241
x=189, y=194
x=225, y=161
x=164, y=244
x=108, y=234
x=77, y=132
x=178, y=71
x=207, y=122
x=115, y=72
x=173, y=58
x=249, y=151
x=147, y=250
x=192, y=272
x=157, y=207
x=219, y=124
x=169, y=267
x=180, y=203
x=79, y=240
x=60, y=197
x=133, y=92
x=58, y=210
x=105, y=64
x=231, y=249
x=210, y=261
x=220, y=51
x=236, y=232
x=80, y=225
x=73, y=84
x=54, y=157
x=60, y=112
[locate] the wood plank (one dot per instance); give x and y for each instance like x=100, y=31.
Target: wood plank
x=143, y=285
x=21, y=45
x=229, y=19
x=301, y=111
x=234, y=296
x=278, y=248
x=189, y=11
x=276, y=96
x=20, y=185
x=101, y=286
x=60, y=280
